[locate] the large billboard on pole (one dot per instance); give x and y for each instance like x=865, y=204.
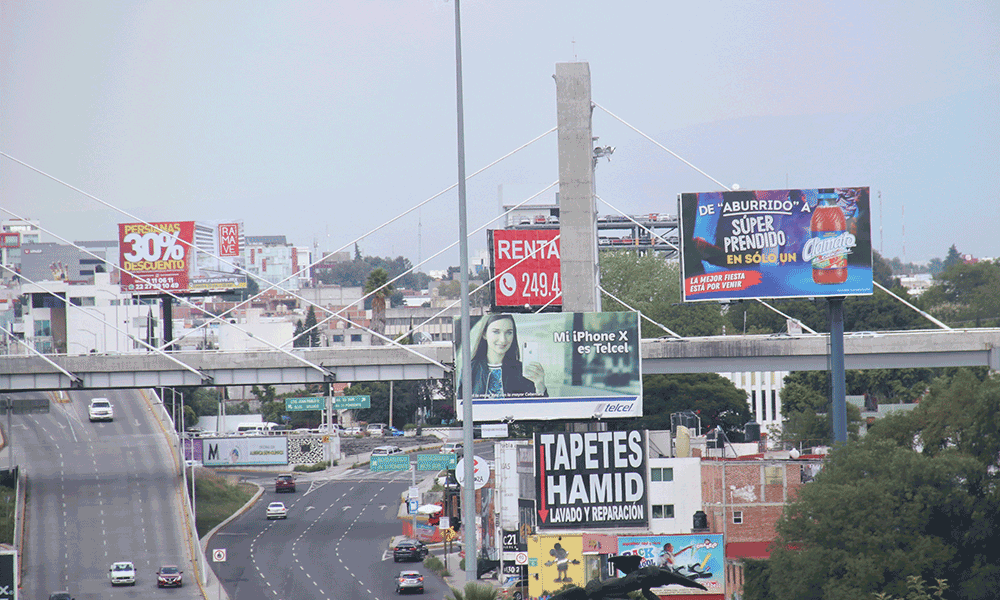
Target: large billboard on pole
x=776, y=244
x=181, y=256
x=544, y=366
x=592, y=479
x=527, y=266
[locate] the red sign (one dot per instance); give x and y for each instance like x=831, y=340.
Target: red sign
x=229, y=239
x=528, y=267
x=155, y=257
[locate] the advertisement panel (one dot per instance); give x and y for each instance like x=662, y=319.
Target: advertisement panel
x=8, y=575
x=776, y=244
x=553, y=562
x=181, y=256
x=699, y=557
x=527, y=266
x=245, y=450
x=591, y=479
x=10, y=239
x=552, y=366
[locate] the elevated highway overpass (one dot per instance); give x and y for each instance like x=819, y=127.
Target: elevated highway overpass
x=739, y=353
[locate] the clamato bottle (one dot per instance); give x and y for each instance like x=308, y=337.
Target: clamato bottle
x=827, y=226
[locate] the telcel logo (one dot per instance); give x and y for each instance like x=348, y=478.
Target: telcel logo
x=622, y=407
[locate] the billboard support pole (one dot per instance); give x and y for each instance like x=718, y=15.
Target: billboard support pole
x=838, y=392
x=167, y=304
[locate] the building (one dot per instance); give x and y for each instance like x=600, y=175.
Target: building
x=271, y=259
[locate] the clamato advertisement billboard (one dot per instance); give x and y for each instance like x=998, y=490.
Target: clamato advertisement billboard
x=592, y=479
x=776, y=244
x=552, y=366
x=527, y=266
x=181, y=256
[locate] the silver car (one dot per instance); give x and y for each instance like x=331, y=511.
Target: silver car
x=410, y=581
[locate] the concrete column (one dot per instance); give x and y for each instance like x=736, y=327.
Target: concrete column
x=577, y=210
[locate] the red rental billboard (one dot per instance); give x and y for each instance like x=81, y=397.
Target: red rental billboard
x=181, y=256
x=527, y=266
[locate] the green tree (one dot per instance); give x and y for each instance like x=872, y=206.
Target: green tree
x=952, y=259
x=298, y=339
x=651, y=285
x=966, y=294
x=919, y=496
x=379, y=289
x=715, y=399
x=310, y=329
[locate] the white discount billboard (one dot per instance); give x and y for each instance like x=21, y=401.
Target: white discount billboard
x=527, y=267
x=181, y=256
x=245, y=450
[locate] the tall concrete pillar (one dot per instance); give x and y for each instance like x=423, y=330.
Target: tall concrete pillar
x=577, y=206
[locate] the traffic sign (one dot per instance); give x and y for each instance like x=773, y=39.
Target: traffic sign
x=397, y=462
x=411, y=506
x=342, y=402
x=219, y=555
x=436, y=462
x=311, y=403
x=480, y=472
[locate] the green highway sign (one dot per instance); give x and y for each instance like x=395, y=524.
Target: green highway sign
x=340, y=402
x=305, y=403
x=395, y=462
x=436, y=462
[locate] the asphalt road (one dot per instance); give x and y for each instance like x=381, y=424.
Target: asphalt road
x=98, y=493
x=332, y=545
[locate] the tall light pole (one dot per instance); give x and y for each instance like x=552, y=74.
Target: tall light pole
x=468, y=491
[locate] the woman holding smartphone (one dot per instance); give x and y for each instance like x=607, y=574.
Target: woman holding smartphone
x=497, y=370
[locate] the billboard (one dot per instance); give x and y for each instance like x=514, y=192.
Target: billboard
x=698, y=557
x=553, y=562
x=592, y=479
x=776, y=244
x=245, y=450
x=181, y=256
x=552, y=366
x=10, y=239
x=527, y=266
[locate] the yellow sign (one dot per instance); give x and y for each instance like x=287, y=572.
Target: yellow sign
x=557, y=560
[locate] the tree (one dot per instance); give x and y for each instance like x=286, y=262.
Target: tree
x=299, y=340
x=966, y=294
x=953, y=258
x=380, y=290
x=310, y=329
x=930, y=509
x=651, y=285
x=717, y=401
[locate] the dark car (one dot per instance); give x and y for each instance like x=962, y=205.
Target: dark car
x=169, y=576
x=60, y=596
x=284, y=483
x=409, y=550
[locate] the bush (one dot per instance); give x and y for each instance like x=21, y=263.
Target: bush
x=314, y=467
x=217, y=499
x=435, y=564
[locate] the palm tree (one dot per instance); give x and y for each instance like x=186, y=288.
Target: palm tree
x=380, y=289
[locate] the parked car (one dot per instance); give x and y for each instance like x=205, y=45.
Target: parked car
x=354, y=430
x=451, y=448
x=514, y=588
x=410, y=581
x=386, y=450
x=393, y=432
x=122, y=573
x=60, y=596
x=409, y=550
x=101, y=410
x=284, y=483
x=169, y=576
x=376, y=428
x=277, y=510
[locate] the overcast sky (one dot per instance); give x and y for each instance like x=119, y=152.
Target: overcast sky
x=321, y=121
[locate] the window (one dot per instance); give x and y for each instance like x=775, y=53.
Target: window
x=737, y=517
x=658, y=474
x=663, y=511
x=774, y=475
x=355, y=337
x=43, y=328
x=338, y=338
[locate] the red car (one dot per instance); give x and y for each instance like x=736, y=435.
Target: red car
x=284, y=483
x=169, y=576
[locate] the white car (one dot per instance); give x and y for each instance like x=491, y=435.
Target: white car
x=277, y=510
x=122, y=573
x=451, y=448
x=386, y=450
x=101, y=410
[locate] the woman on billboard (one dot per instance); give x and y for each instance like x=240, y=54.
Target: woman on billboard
x=497, y=367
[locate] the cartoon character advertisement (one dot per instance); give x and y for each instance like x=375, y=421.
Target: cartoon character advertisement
x=798, y=243
x=698, y=557
x=553, y=562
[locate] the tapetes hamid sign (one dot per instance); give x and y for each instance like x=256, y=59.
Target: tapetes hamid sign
x=592, y=479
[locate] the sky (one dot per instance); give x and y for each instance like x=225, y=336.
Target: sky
x=325, y=121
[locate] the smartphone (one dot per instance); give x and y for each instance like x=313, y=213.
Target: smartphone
x=529, y=354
